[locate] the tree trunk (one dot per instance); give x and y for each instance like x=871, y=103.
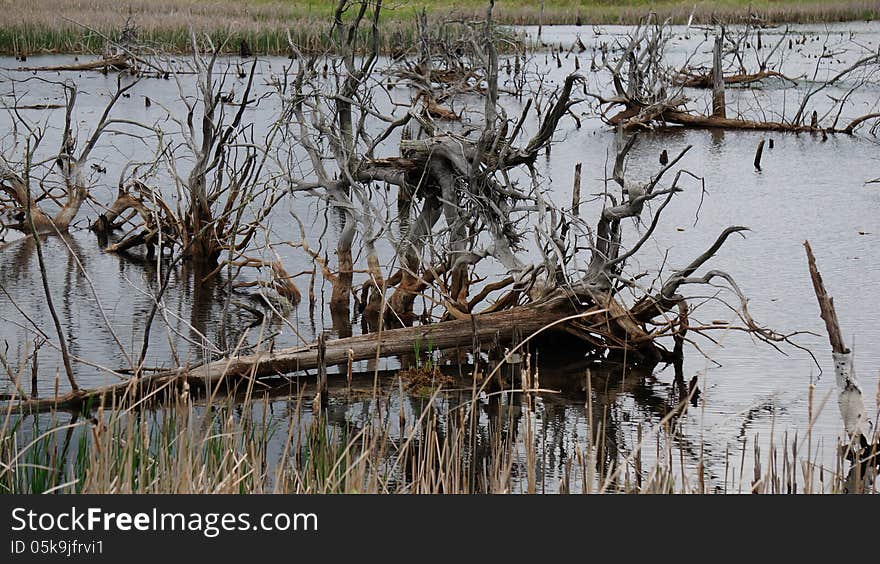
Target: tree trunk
x=340, y=297
x=719, y=109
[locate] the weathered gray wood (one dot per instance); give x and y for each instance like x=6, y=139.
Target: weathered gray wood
x=719, y=108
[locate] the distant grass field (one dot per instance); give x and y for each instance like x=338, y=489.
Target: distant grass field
x=79, y=26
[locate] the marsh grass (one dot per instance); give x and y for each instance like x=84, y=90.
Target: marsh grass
x=231, y=445
x=80, y=26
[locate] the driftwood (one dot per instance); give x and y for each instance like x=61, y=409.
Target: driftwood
x=116, y=62
x=712, y=122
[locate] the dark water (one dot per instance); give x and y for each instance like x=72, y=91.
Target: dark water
x=808, y=188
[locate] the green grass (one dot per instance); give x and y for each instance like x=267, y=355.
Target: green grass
x=64, y=26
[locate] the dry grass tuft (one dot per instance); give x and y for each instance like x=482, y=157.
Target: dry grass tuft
x=424, y=380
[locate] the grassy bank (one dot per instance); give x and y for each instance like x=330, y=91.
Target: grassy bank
x=79, y=26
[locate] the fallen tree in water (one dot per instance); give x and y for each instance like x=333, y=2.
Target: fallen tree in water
x=478, y=176
x=229, y=372
x=464, y=175
x=115, y=62
x=690, y=79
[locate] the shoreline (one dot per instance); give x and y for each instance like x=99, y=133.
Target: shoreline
x=81, y=27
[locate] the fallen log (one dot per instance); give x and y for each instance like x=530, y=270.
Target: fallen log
x=117, y=62
x=712, y=122
x=34, y=107
x=692, y=80
x=500, y=326
x=634, y=117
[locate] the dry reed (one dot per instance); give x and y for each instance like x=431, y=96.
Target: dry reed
x=228, y=445
x=81, y=26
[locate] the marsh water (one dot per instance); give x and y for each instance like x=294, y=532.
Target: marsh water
x=809, y=187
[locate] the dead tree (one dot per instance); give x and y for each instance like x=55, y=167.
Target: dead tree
x=228, y=192
x=329, y=116
x=33, y=180
x=862, y=442
x=445, y=63
x=649, y=92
